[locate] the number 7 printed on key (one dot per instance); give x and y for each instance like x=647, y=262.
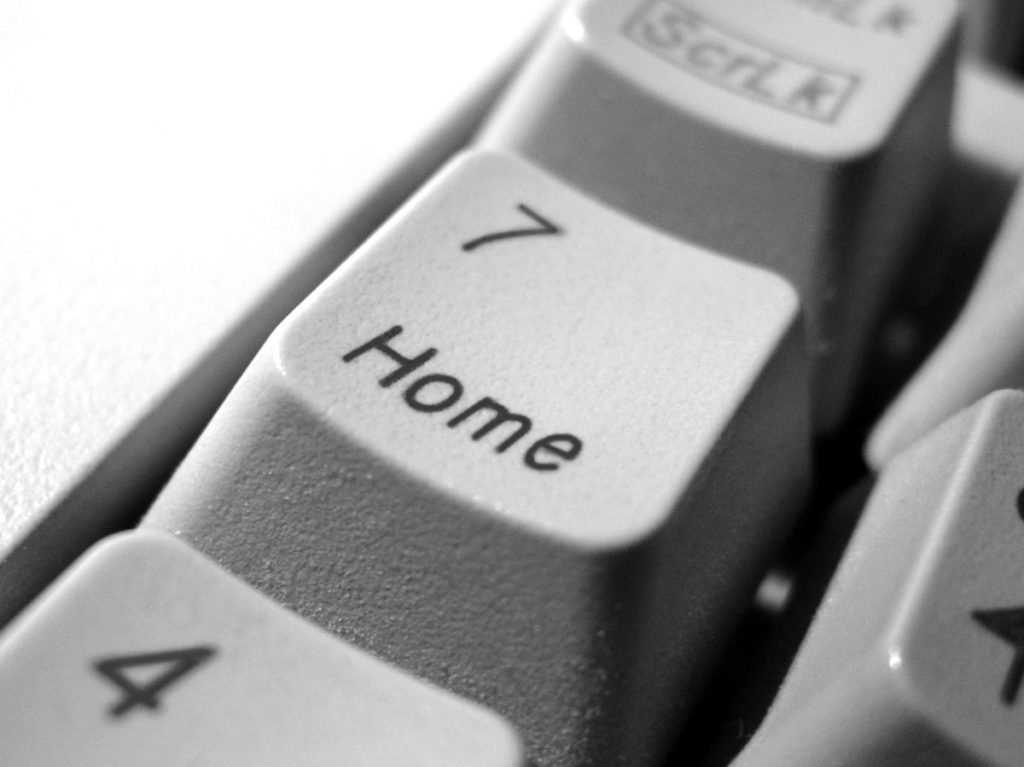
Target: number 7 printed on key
x=544, y=226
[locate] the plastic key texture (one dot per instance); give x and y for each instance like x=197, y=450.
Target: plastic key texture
x=148, y=653
x=806, y=137
x=523, y=446
x=981, y=353
x=916, y=655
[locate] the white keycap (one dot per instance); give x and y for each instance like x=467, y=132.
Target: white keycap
x=148, y=653
x=807, y=137
x=982, y=352
x=916, y=654
x=174, y=177
x=522, y=445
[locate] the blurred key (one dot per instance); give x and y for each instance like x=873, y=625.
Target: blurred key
x=982, y=352
x=994, y=31
x=522, y=446
x=808, y=137
x=916, y=655
x=147, y=653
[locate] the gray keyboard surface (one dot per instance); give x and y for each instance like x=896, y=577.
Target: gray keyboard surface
x=174, y=179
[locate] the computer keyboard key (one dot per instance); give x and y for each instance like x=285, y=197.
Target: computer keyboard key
x=994, y=31
x=148, y=653
x=916, y=655
x=806, y=137
x=523, y=446
x=982, y=352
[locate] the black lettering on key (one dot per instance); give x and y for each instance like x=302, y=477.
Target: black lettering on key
x=435, y=392
x=708, y=56
x=757, y=82
x=665, y=27
x=380, y=343
x=500, y=415
x=563, y=446
x=543, y=227
x=177, y=663
x=450, y=391
x=812, y=96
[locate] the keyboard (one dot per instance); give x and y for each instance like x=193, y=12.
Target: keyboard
x=659, y=416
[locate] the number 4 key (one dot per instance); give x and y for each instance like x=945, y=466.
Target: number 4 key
x=205, y=670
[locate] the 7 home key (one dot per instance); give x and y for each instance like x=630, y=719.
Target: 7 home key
x=525, y=491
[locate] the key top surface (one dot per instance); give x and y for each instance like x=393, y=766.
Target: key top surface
x=530, y=312
x=147, y=652
x=807, y=141
x=513, y=419
x=915, y=655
